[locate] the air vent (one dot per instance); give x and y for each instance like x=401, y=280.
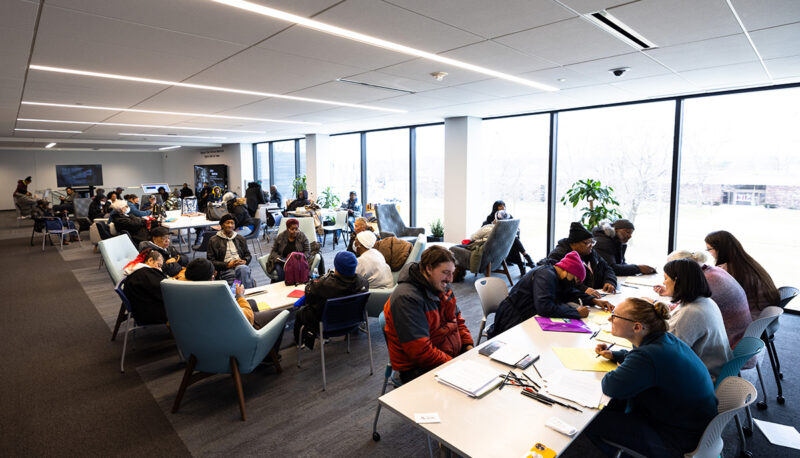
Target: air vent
x=620, y=30
x=376, y=86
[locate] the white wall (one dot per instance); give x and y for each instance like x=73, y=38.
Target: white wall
x=119, y=169
x=462, y=140
x=178, y=165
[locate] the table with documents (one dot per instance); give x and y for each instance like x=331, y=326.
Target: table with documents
x=275, y=296
x=503, y=422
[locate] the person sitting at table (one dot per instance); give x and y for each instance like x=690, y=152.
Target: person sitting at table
x=125, y=222
x=287, y=242
x=186, y=191
x=696, y=319
x=424, y=327
x=662, y=396
x=67, y=203
x=245, y=224
x=96, y=208
x=371, y=263
x=164, y=194
x=274, y=196
x=343, y=281
x=353, y=209
x=599, y=275
x=517, y=252
x=545, y=291
x=612, y=242
x=143, y=289
x=133, y=204
x=160, y=241
x=301, y=201
x=228, y=251
x=725, y=292
x=254, y=196
x=360, y=224
x=22, y=198
x=729, y=255
x=150, y=204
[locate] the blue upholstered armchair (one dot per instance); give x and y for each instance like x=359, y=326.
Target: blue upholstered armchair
x=391, y=224
x=212, y=332
x=495, y=250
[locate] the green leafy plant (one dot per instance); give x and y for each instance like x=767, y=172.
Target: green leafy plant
x=602, y=204
x=299, y=184
x=437, y=228
x=327, y=199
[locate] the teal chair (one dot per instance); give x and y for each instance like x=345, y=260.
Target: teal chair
x=212, y=331
x=117, y=252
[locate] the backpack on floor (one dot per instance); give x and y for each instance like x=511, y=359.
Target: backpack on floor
x=295, y=269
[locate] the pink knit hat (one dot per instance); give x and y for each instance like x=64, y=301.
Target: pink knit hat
x=572, y=263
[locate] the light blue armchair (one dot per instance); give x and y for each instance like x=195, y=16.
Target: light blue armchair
x=117, y=252
x=212, y=332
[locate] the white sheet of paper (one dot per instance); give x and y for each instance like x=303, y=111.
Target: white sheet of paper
x=509, y=355
x=580, y=387
x=786, y=436
x=422, y=418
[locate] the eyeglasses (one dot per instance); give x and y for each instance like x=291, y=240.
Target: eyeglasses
x=615, y=316
x=589, y=242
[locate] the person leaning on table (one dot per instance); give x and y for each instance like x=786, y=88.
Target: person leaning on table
x=612, y=242
x=599, y=275
x=662, y=396
x=545, y=291
x=424, y=327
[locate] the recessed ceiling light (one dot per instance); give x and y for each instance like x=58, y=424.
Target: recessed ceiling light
x=150, y=126
x=138, y=79
x=49, y=130
x=169, y=147
x=50, y=145
x=374, y=41
x=620, y=30
x=176, y=113
x=172, y=135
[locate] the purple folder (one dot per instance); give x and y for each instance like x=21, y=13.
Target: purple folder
x=572, y=325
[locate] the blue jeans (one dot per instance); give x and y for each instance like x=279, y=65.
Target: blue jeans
x=279, y=271
x=241, y=273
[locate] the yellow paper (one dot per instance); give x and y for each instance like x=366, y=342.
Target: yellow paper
x=262, y=306
x=607, y=337
x=600, y=318
x=583, y=359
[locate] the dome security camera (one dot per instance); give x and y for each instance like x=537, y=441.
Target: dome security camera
x=619, y=71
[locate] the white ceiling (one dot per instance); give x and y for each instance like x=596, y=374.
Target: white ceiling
x=701, y=47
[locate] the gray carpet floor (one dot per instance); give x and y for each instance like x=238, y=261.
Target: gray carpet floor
x=63, y=393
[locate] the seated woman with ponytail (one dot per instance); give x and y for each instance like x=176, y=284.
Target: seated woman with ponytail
x=662, y=396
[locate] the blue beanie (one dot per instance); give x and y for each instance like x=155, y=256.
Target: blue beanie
x=345, y=263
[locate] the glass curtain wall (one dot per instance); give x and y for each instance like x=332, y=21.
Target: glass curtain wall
x=430, y=175
x=629, y=148
x=340, y=168
x=283, y=166
x=388, y=162
x=513, y=163
x=261, y=166
x=739, y=172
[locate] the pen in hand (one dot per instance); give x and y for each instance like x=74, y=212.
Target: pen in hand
x=607, y=348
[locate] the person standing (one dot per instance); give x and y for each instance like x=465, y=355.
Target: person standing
x=186, y=191
x=254, y=197
x=612, y=242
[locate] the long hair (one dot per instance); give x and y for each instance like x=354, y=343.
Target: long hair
x=690, y=282
x=746, y=270
x=495, y=206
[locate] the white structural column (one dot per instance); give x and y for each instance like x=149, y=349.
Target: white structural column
x=316, y=144
x=462, y=140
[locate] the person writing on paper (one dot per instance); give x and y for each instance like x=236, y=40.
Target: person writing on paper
x=725, y=292
x=662, y=396
x=599, y=275
x=545, y=291
x=424, y=327
x=612, y=242
x=371, y=263
x=696, y=319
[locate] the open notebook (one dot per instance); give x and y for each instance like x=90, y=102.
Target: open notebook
x=470, y=377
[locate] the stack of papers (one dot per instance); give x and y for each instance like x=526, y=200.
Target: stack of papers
x=469, y=377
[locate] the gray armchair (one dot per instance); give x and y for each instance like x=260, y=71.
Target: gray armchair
x=390, y=224
x=495, y=249
x=81, y=211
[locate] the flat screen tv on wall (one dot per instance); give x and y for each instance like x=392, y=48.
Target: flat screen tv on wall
x=79, y=175
x=214, y=175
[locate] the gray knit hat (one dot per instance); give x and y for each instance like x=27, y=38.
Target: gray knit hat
x=623, y=224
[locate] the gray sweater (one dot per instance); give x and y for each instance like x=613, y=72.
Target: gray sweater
x=699, y=324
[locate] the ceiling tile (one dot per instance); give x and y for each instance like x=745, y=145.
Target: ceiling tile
x=18, y=14
x=777, y=42
x=457, y=95
x=567, y=42
x=411, y=102
x=498, y=57
x=787, y=68
x=15, y=47
x=597, y=95
x=728, y=76
x=552, y=76
x=421, y=69
x=55, y=88
x=767, y=13
x=657, y=86
x=640, y=66
x=274, y=109
x=704, y=54
x=185, y=99
x=10, y=91
x=499, y=88
x=592, y=6
x=487, y=19
x=678, y=21
x=344, y=92
x=546, y=101
x=393, y=81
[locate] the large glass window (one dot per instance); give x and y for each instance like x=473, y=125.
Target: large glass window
x=630, y=149
x=388, y=169
x=430, y=175
x=302, y=143
x=340, y=168
x=261, y=166
x=739, y=172
x=513, y=163
x=283, y=166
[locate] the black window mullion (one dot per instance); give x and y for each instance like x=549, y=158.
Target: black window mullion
x=412, y=175
x=271, y=165
x=364, y=197
x=674, y=195
x=551, y=182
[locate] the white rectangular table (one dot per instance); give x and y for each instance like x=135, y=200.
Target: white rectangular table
x=274, y=296
x=188, y=222
x=503, y=423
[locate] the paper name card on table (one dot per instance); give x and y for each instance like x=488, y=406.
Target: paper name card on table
x=422, y=418
x=605, y=336
x=470, y=377
x=579, y=387
x=583, y=359
x=783, y=435
x=562, y=325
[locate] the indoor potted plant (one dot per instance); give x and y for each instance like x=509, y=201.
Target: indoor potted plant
x=437, y=231
x=602, y=204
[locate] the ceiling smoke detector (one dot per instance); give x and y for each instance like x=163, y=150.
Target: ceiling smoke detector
x=438, y=76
